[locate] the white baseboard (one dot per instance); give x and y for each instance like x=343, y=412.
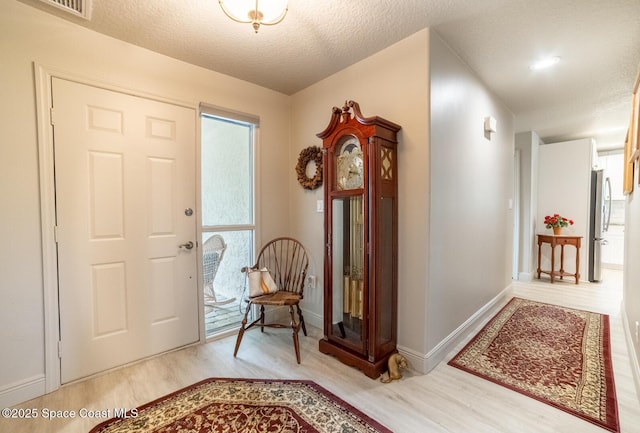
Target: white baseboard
x=415, y=360
x=525, y=276
x=313, y=319
x=633, y=359
x=21, y=391
x=442, y=349
x=421, y=363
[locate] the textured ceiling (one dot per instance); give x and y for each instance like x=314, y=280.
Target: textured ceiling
x=586, y=95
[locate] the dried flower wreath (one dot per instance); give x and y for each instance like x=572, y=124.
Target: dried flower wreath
x=311, y=153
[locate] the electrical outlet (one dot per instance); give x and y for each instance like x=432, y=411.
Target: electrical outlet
x=312, y=282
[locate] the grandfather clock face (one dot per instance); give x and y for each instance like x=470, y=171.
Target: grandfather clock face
x=349, y=166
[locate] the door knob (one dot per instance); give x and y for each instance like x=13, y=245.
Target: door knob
x=187, y=245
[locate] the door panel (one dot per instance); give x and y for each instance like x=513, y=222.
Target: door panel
x=124, y=176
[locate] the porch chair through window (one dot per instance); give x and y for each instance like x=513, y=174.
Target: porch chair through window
x=212, y=254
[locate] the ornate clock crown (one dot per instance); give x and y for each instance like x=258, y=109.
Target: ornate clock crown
x=346, y=115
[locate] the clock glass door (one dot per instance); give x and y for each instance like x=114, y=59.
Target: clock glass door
x=348, y=271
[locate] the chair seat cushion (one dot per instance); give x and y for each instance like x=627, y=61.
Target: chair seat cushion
x=278, y=298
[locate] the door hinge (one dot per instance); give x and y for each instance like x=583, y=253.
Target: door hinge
x=59, y=349
x=51, y=118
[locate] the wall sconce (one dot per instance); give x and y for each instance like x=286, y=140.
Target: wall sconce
x=265, y=12
x=489, y=124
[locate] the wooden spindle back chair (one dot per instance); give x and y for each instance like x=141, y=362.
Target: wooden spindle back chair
x=287, y=262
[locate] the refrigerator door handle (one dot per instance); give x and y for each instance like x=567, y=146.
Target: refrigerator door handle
x=607, y=205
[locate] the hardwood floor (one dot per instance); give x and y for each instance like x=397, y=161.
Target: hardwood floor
x=445, y=400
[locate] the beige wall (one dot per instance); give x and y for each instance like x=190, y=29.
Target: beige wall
x=392, y=84
x=27, y=36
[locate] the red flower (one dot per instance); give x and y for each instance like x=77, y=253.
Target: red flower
x=556, y=220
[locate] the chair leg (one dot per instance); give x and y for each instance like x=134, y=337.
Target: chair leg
x=304, y=328
x=241, y=331
x=261, y=318
x=296, y=328
x=301, y=320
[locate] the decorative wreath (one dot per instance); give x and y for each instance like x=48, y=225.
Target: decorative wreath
x=311, y=153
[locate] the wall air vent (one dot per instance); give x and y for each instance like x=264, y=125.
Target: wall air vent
x=79, y=8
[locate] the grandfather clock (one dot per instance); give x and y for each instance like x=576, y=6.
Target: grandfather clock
x=361, y=241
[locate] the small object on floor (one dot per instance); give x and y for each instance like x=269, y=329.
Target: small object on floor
x=396, y=364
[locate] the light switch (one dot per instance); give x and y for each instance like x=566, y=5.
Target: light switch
x=320, y=206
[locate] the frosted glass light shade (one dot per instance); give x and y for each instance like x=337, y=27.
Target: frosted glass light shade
x=256, y=12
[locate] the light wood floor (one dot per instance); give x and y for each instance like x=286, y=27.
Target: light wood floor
x=445, y=400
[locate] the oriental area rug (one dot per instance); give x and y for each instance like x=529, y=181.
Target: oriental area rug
x=559, y=356
x=245, y=405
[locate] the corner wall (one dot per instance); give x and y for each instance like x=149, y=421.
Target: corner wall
x=471, y=216
x=392, y=84
x=528, y=144
x=454, y=186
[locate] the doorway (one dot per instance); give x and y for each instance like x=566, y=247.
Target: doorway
x=612, y=162
x=514, y=204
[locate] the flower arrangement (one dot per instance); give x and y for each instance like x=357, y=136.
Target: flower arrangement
x=556, y=220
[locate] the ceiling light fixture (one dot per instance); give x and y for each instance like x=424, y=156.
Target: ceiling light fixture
x=545, y=63
x=264, y=12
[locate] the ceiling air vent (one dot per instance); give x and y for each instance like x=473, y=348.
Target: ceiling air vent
x=80, y=8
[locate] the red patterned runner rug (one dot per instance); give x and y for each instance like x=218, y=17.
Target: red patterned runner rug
x=559, y=356
x=246, y=405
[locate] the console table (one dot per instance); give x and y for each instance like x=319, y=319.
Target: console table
x=561, y=240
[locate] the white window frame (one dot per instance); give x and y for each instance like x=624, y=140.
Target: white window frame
x=226, y=114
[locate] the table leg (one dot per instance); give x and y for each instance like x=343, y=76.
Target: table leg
x=539, y=243
x=562, y=261
x=577, y=264
x=553, y=262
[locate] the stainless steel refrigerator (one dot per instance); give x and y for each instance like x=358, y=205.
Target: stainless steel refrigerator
x=600, y=216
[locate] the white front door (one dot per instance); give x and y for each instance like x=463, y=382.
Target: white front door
x=125, y=185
